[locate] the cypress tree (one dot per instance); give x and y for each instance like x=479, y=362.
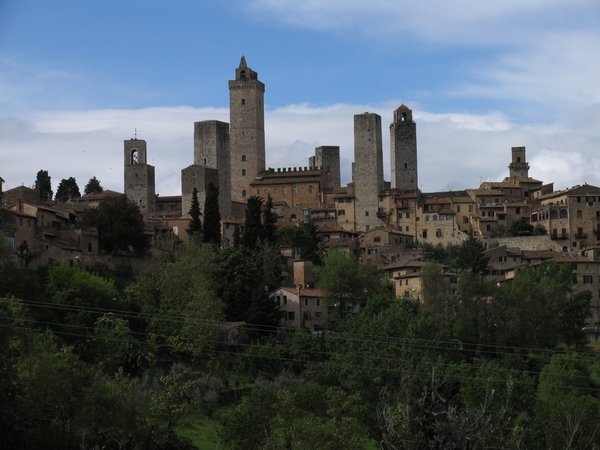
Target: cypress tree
x=195, y=228
x=212, y=217
x=269, y=219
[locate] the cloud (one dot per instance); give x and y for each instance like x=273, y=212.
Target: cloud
x=456, y=151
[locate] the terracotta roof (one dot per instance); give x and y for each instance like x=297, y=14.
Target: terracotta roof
x=306, y=292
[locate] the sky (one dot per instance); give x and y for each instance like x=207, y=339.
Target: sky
x=78, y=77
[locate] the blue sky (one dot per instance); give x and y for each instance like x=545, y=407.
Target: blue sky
x=76, y=78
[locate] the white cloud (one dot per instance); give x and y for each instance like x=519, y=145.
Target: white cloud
x=456, y=151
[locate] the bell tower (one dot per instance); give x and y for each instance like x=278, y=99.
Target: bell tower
x=519, y=167
x=246, y=130
x=403, y=150
x=139, y=176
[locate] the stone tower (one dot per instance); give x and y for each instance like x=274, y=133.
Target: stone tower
x=139, y=176
x=211, y=165
x=367, y=172
x=519, y=168
x=328, y=157
x=247, y=130
x=403, y=150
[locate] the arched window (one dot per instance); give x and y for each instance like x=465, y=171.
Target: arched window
x=293, y=217
x=134, y=156
x=285, y=299
x=579, y=214
x=406, y=165
x=435, y=217
x=243, y=158
x=426, y=218
x=243, y=101
x=243, y=172
x=553, y=214
x=244, y=193
x=563, y=213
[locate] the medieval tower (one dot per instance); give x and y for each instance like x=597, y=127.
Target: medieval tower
x=403, y=150
x=247, y=130
x=367, y=172
x=139, y=176
x=328, y=157
x=519, y=167
x=211, y=165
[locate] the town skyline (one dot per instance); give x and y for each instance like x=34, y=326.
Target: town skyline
x=479, y=81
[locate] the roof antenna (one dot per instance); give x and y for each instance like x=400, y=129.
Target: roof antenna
x=135, y=134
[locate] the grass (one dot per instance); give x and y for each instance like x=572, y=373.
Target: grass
x=204, y=435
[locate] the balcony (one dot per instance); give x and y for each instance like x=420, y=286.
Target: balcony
x=581, y=235
x=381, y=213
x=559, y=236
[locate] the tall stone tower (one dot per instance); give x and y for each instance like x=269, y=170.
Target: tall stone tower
x=519, y=167
x=139, y=176
x=367, y=172
x=328, y=157
x=247, y=130
x=403, y=150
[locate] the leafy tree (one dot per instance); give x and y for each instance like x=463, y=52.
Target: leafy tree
x=120, y=225
x=540, y=229
x=212, y=217
x=470, y=256
x=188, y=307
x=498, y=231
x=536, y=311
x=344, y=282
x=93, y=186
x=521, y=227
x=237, y=236
x=67, y=189
x=44, y=185
x=305, y=238
x=194, y=229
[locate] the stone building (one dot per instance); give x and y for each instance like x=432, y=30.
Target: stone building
x=367, y=170
x=403, y=150
x=139, y=176
x=247, y=129
x=571, y=216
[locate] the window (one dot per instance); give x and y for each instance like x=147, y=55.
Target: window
x=470, y=208
x=399, y=215
x=366, y=213
x=465, y=220
x=243, y=101
x=258, y=191
x=318, y=302
x=295, y=189
x=243, y=158
x=285, y=299
x=377, y=239
x=89, y=247
x=341, y=212
x=310, y=188
x=435, y=217
x=438, y=233
x=424, y=234
x=563, y=214
x=291, y=315
x=243, y=172
x=518, y=211
x=426, y=218
x=305, y=302
x=283, y=190
x=457, y=208
x=266, y=191
x=408, y=215
x=278, y=300
x=406, y=228
x=244, y=193
x=275, y=191
x=306, y=315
